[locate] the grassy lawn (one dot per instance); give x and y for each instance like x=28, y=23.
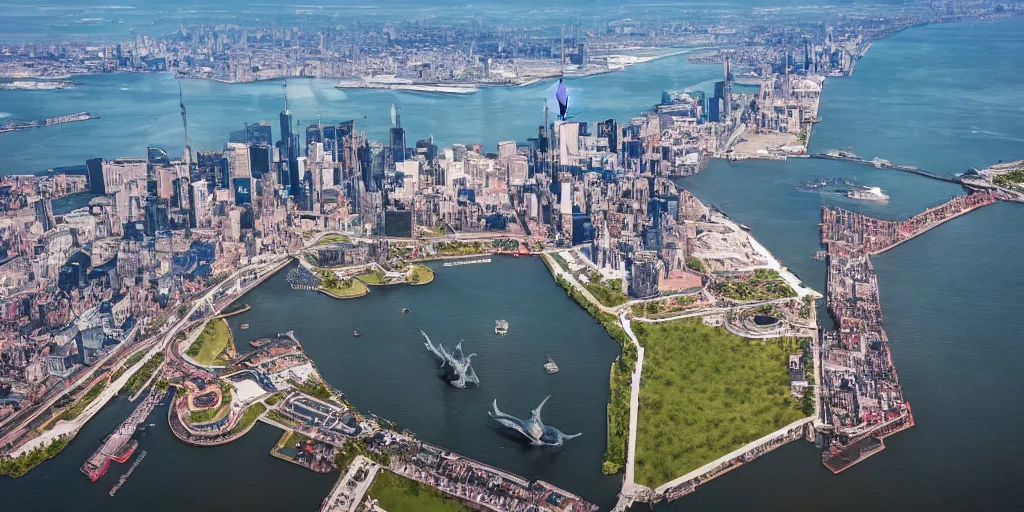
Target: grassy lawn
x=209, y=346
x=72, y=412
x=128, y=363
x=764, y=284
x=249, y=417
x=399, y=494
x=462, y=248
x=561, y=261
x=704, y=393
x=342, y=288
x=288, y=440
x=313, y=387
x=375, y=277
x=1010, y=179
x=610, y=295
x=273, y=415
x=333, y=239
x=139, y=378
x=421, y=275
x=213, y=413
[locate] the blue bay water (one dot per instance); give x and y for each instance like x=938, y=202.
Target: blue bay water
x=137, y=110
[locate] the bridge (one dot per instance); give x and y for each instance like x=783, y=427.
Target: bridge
x=880, y=163
x=875, y=236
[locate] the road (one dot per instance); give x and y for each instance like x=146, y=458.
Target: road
x=64, y=427
x=629, y=486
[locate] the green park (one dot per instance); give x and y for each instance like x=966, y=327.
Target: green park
x=705, y=393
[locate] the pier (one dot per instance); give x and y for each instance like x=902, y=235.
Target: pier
x=119, y=445
x=50, y=121
x=875, y=236
x=860, y=396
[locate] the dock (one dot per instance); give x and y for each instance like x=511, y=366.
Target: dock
x=119, y=445
x=875, y=236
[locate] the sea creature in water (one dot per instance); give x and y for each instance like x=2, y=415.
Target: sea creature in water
x=458, y=369
x=533, y=429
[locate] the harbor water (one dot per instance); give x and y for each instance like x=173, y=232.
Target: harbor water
x=951, y=297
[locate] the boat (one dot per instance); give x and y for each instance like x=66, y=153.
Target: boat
x=355, y=334
x=744, y=227
x=244, y=326
x=501, y=327
x=550, y=366
x=405, y=310
x=260, y=342
x=867, y=194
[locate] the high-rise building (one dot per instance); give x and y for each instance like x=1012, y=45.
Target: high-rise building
x=259, y=133
x=261, y=156
x=199, y=209
x=397, y=145
x=238, y=160
x=212, y=168
x=111, y=176
x=608, y=130
x=242, y=190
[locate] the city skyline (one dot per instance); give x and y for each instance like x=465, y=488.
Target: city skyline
x=121, y=274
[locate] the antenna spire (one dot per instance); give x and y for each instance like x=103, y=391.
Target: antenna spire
x=184, y=121
x=286, y=95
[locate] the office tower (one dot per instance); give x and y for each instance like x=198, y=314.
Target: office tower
x=259, y=133
x=238, y=160
x=261, y=157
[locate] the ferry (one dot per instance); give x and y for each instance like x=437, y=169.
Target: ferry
x=501, y=327
x=867, y=194
x=244, y=326
x=550, y=366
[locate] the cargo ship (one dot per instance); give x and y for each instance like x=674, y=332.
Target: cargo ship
x=50, y=121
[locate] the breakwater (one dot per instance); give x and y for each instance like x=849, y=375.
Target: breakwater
x=124, y=478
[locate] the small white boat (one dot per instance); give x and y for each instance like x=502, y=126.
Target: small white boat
x=550, y=366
